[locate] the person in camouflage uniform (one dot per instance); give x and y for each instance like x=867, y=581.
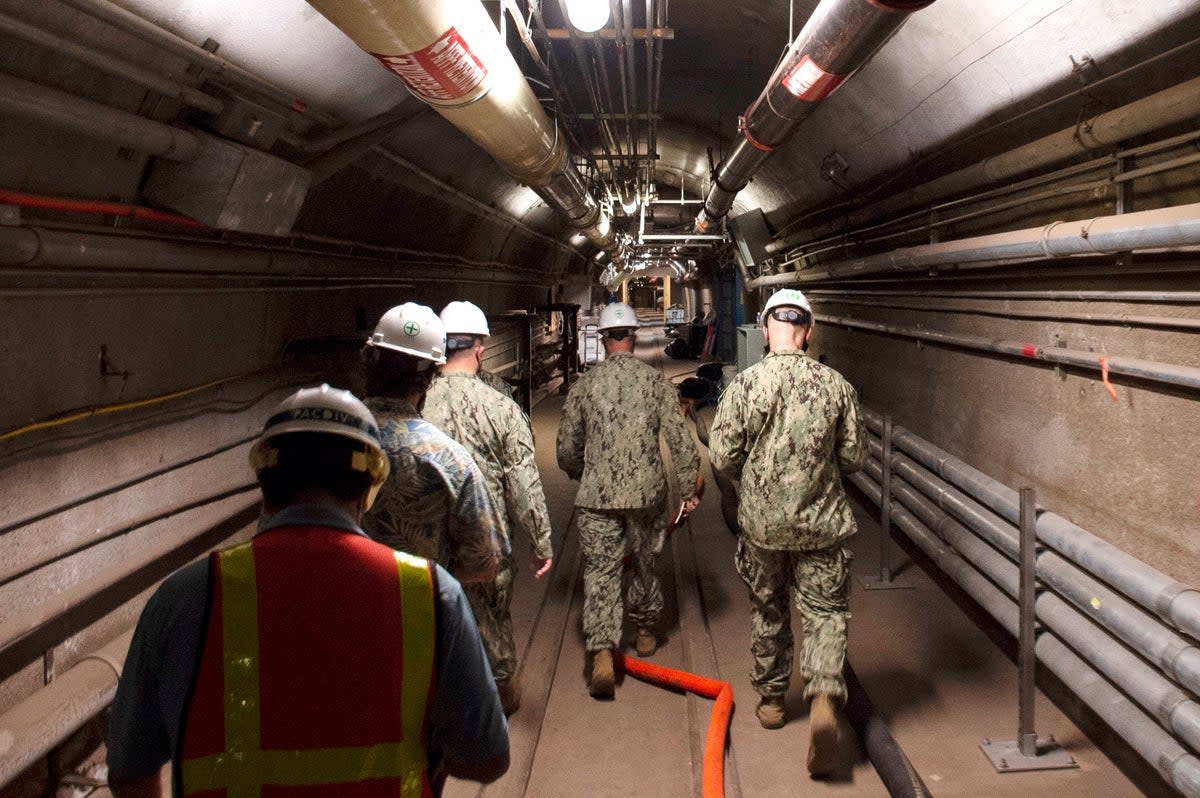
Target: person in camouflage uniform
x=436, y=503
x=609, y=440
x=789, y=428
x=497, y=383
x=495, y=432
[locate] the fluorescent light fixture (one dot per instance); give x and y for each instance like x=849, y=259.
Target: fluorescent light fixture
x=587, y=16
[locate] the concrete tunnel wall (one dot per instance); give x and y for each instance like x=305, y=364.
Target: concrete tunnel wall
x=1124, y=470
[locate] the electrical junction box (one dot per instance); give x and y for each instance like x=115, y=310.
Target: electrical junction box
x=750, y=237
x=232, y=187
x=750, y=344
x=244, y=120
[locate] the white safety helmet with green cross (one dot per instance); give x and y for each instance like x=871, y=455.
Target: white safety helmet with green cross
x=413, y=330
x=617, y=315
x=329, y=411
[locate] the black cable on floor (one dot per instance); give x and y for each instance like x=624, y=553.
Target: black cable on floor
x=885, y=754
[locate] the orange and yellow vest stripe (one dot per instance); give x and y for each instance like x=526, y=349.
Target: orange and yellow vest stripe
x=316, y=673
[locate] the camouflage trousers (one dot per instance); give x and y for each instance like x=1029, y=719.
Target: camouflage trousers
x=491, y=603
x=603, y=536
x=820, y=583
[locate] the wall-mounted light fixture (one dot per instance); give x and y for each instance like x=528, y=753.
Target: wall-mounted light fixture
x=588, y=16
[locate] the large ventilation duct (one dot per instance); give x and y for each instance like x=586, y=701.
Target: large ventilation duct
x=839, y=38
x=450, y=55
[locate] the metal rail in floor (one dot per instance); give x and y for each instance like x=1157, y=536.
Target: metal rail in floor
x=932, y=672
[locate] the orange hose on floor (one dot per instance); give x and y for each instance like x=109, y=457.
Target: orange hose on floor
x=718, y=722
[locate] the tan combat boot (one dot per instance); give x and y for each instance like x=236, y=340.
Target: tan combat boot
x=510, y=694
x=603, y=680
x=770, y=712
x=647, y=643
x=823, y=747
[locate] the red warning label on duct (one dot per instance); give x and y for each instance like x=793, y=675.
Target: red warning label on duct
x=445, y=70
x=809, y=82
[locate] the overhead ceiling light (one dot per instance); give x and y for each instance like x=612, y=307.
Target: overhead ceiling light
x=587, y=16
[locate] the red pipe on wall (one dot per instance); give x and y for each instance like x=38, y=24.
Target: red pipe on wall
x=42, y=202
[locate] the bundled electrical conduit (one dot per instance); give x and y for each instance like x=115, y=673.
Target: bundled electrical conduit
x=991, y=579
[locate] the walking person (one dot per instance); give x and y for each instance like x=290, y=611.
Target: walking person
x=436, y=504
x=310, y=661
x=789, y=428
x=496, y=433
x=608, y=439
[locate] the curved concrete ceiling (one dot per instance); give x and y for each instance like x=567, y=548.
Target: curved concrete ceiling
x=955, y=67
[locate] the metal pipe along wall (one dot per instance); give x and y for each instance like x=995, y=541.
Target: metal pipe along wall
x=838, y=39
x=1162, y=228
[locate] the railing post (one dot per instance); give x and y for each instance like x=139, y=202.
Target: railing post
x=885, y=580
x=1027, y=752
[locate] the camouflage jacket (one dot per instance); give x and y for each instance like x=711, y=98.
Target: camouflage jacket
x=609, y=436
x=435, y=504
x=497, y=383
x=494, y=430
x=789, y=428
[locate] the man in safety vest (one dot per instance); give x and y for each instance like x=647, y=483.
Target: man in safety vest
x=494, y=430
x=609, y=440
x=437, y=503
x=310, y=660
x=789, y=428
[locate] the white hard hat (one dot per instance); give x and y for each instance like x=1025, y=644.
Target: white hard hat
x=787, y=296
x=464, y=318
x=411, y=329
x=328, y=411
x=618, y=314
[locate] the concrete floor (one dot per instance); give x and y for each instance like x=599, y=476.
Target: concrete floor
x=932, y=672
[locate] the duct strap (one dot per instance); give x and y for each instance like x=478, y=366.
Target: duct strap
x=744, y=129
x=107, y=660
x=1166, y=597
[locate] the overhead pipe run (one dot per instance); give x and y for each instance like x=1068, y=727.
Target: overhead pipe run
x=450, y=55
x=40, y=248
x=1163, y=109
x=1162, y=228
x=838, y=39
x=221, y=69
x=95, y=120
x=111, y=65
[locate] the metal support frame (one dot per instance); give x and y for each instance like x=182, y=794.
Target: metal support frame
x=885, y=580
x=1027, y=752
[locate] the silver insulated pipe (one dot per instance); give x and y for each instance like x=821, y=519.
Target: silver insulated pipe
x=450, y=55
x=838, y=39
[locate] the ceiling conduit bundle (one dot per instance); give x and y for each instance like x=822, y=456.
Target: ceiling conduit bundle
x=451, y=56
x=839, y=38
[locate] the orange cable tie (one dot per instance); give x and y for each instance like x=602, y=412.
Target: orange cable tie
x=1108, y=386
